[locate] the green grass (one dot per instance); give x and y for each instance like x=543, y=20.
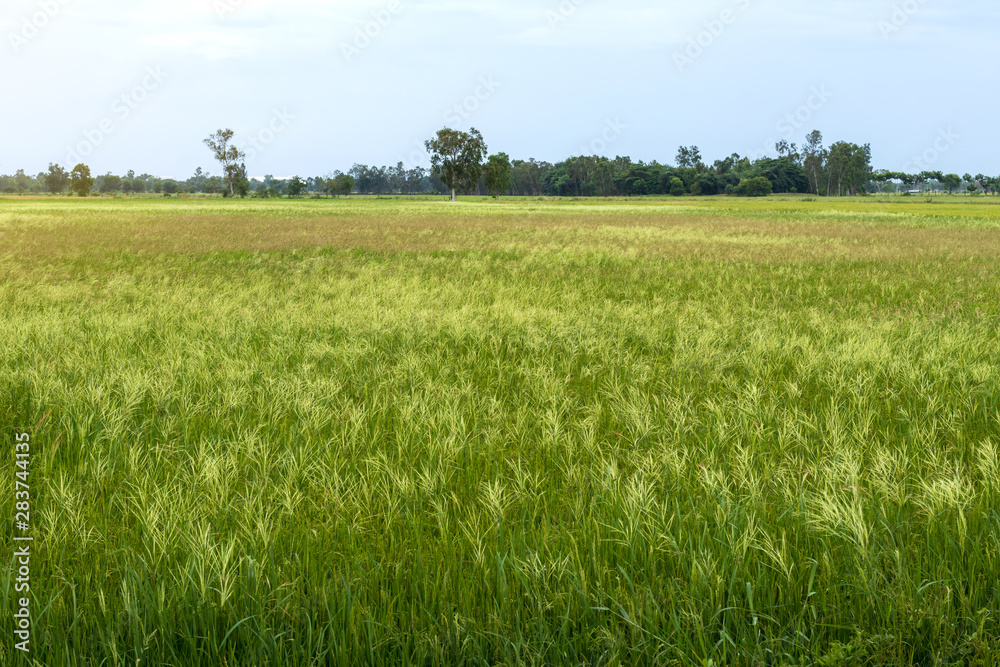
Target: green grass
x=658, y=432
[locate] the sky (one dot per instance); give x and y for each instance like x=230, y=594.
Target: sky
x=312, y=86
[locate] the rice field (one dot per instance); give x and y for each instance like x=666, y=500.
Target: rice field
x=595, y=432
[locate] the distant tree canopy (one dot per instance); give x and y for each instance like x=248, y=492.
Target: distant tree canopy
x=342, y=184
x=497, y=174
x=110, y=183
x=458, y=165
x=388, y=180
x=457, y=158
x=230, y=157
x=80, y=180
x=296, y=187
x=785, y=174
x=56, y=179
x=758, y=186
x=951, y=181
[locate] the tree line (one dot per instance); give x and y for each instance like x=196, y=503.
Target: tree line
x=459, y=165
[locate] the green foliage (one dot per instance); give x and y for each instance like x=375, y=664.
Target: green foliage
x=80, y=180
x=56, y=179
x=676, y=187
x=754, y=187
x=346, y=184
x=240, y=183
x=231, y=158
x=266, y=193
x=689, y=157
x=296, y=186
x=784, y=174
x=527, y=175
x=706, y=184
x=110, y=184
x=390, y=180
x=951, y=182
x=457, y=158
x=341, y=184
x=848, y=167
x=498, y=174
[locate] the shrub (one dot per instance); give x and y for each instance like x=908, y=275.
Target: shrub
x=676, y=187
x=754, y=187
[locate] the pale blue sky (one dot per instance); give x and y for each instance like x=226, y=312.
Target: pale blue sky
x=137, y=84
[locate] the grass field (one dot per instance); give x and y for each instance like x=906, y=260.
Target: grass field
x=387, y=432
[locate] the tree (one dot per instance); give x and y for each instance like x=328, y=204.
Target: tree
x=111, y=183
x=814, y=157
x=784, y=173
x=57, y=179
x=344, y=184
x=676, y=187
x=706, y=184
x=498, y=174
x=848, y=164
x=987, y=183
x=230, y=157
x=22, y=180
x=787, y=151
x=296, y=186
x=142, y=183
x=457, y=158
x=240, y=182
x=317, y=184
x=372, y=180
x=754, y=187
x=330, y=185
x=80, y=180
x=881, y=177
x=527, y=176
x=397, y=178
x=340, y=184
x=689, y=157
x=951, y=181
x=130, y=183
